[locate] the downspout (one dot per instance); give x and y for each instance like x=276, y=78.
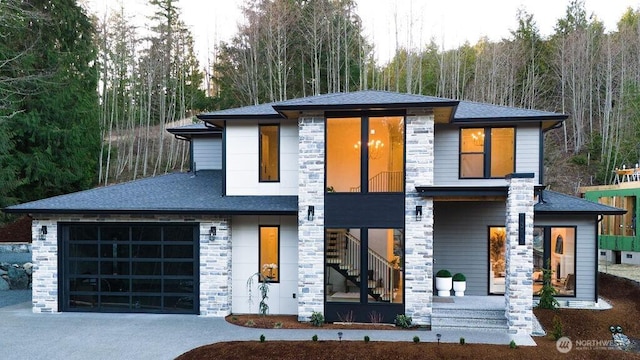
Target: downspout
x=598, y=221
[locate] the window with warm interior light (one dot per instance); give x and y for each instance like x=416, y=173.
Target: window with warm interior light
x=269, y=153
x=269, y=265
x=553, y=248
x=487, y=152
x=372, y=143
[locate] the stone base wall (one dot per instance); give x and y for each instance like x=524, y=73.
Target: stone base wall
x=519, y=258
x=311, y=230
x=419, y=229
x=215, y=268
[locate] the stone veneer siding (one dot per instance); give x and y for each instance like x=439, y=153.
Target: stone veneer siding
x=215, y=260
x=519, y=258
x=311, y=161
x=419, y=233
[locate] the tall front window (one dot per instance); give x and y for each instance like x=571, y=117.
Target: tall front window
x=269, y=153
x=365, y=154
x=554, y=248
x=269, y=265
x=487, y=152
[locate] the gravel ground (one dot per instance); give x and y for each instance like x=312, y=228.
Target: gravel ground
x=622, y=270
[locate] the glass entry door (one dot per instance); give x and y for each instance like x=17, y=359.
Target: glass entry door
x=364, y=274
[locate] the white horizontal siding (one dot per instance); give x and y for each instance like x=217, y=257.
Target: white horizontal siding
x=447, y=156
x=207, y=153
x=242, y=159
x=245, y=263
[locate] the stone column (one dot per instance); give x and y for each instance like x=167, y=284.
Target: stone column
x=311, y=171
x=519, y=258
x=45, y=266
x=419, y=231
x=215, y=268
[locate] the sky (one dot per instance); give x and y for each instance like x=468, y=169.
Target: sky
x=448, y=22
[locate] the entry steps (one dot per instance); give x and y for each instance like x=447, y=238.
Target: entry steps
x=468, y=318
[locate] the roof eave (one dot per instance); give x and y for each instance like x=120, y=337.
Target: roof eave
x=364, y=106
x=150, y=212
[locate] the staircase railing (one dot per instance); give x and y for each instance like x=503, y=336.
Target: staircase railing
x=380, y=279
x=386, y=181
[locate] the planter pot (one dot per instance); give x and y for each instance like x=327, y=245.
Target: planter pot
x=459, y=287
x=443, y=285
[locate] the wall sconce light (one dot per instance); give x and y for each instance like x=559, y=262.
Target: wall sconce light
x=418, y=212
x=212, y=233
x=311, y=212
x=43, y=233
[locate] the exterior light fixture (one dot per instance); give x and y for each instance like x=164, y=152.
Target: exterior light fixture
x=43, y=233
x=438, y=336
x=212, y=233
x=340, y=335
x=418, y=212
x=311, y=212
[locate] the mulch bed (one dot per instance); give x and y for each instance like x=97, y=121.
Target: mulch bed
x=623, y=294
x=17, y=231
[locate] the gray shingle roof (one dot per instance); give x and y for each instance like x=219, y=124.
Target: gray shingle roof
x=557, y=203
x=200, y=128
x=465, y=111
x=469, y=110
x=176, y=193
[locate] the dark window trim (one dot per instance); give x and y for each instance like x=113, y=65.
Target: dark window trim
x=547, y=253
x=364, y=263
x=546, y=229
x=260, y=126
x=364, y=153
x=277, y=280
x=487, y=151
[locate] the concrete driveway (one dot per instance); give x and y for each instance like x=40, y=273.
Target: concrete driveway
x=149, y=336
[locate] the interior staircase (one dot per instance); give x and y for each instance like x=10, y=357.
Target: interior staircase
x=343, y=254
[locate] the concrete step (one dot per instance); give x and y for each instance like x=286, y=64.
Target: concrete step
x=469, y=318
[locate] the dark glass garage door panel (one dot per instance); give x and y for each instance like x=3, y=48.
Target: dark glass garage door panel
x=145, y=233
x=130, y=268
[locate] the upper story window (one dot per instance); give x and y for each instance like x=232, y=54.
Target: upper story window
x=487, y=152
x=365, y=154
x=269, y=153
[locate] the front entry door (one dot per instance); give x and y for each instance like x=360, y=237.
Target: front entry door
x=364, y=275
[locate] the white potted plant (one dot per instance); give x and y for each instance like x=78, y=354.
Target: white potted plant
x=459, y=284
x=443, y=282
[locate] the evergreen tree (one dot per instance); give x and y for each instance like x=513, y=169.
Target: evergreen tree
x=56, y=130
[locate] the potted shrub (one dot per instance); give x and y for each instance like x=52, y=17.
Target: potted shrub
x=459, y=284
x=443, y=282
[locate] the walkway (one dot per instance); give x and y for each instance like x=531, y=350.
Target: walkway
x=149, y=336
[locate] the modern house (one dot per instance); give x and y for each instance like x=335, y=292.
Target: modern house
x=618, y=240
x=349, y=203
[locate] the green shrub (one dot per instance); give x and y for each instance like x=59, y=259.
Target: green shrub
x=262, y=338
x=317, y=319
x=314, y=338
x=443, y=273
x=512, y=344
x=250, y=323
x=547, y=292
x=403, y=321
x=459, y=277
x=557, y=331
x=462, y=342
x=366, y=338
x=416, y=339
x=277, y=325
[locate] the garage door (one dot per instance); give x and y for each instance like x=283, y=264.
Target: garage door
x=130, y=268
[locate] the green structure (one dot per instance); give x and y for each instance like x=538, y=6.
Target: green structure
x=617, y=236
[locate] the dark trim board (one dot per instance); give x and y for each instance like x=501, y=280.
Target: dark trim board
x=437, y=191
x=351, y=210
